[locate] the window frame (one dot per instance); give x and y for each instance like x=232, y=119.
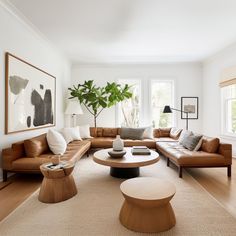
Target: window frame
x=118, y=106
x=225, y=96
x=169, y=80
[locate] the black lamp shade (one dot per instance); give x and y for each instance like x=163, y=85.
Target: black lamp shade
x=167, y=109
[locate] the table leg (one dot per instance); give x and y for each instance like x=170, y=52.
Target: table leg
x=124, y=173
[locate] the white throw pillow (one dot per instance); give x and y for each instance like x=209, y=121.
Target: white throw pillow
x=75, y=133
x=84, y=131
x=148, y=133
x=71, y=134
x=56, y=142
x=66, y=133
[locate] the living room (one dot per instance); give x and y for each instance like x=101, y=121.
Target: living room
x=170, y=54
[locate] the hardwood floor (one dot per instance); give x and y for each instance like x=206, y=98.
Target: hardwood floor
x=213, y=180
x=216, y=182
x=19, y=188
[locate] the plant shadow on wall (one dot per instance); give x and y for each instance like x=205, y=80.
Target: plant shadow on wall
x=95, y=98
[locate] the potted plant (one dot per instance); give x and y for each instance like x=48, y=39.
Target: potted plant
x=95, y=98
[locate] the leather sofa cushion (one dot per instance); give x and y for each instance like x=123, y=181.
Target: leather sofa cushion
x=150, y=143
x=165, y=139
x=164, y=132
x=19, y=149
x=102, y=142
x=109, y=132
x=96, y=132
x=175, y=133
x=156, y=133
x=36, y=146
x=106, y=142
x=210, y=145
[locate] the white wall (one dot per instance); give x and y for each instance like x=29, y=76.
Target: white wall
x=20, y=40
x=212, y=71
x=187, y=78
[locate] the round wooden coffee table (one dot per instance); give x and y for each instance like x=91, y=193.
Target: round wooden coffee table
x=58, y=185
x=128, y=165
x=146, y=207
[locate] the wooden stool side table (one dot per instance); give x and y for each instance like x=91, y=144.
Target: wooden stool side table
x=58, y=185
x=146, y=207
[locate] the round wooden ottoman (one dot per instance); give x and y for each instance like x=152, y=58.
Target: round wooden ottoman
x=58, y=185
x=147, y=206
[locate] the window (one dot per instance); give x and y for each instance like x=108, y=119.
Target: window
x=162, y=93
x=129, y=110
x=146, y=106
x=228, y=104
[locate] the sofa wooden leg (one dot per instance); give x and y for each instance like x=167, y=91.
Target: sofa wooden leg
x=180, y=171
x=229, y=171
x=4, y=175
x=168, y=162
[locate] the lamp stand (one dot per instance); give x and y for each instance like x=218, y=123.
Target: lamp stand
x=186, y=120
x=73, y=120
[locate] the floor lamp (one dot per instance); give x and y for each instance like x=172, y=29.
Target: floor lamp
x=168, y=109
x=73, y=108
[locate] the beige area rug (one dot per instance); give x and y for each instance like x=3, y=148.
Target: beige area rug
x=95, y=209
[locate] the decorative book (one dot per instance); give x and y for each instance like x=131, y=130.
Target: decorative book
x=140, y=150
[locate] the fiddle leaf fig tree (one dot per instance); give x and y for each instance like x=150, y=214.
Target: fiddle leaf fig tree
x=95, y=98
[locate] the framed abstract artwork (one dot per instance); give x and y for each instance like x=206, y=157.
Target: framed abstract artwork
x=190, y=105
x=30, y=96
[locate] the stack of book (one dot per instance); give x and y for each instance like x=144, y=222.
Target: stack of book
x=140, y=150
x=56, y=166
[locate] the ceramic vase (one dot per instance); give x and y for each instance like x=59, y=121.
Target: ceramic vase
x=118, y=144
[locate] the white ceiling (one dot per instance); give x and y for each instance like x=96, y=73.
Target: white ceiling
x=134, y=31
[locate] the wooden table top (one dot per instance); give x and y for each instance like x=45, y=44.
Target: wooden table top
x=127, y=161
x=148, y=188
x=57, y=173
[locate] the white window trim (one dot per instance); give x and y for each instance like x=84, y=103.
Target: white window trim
x=223, y=117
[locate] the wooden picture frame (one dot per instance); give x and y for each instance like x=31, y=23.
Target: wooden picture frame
x=189, y=104
x=30, y=96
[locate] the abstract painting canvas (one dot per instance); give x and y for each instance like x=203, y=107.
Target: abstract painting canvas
x=30, y=96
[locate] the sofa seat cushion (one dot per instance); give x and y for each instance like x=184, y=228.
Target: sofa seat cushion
x=184, y=157
x=165, y=139
x=150, y=143
x=73, y=153
x=106, y=142
x=75, y=150
x=31, y=164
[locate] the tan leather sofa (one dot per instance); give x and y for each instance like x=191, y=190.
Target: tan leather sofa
x=17, y=159
x=103, y=137
x=211, y=154
x=28, y=155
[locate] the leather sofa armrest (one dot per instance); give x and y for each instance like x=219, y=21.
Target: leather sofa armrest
x=8, y=156
x=225, y=149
